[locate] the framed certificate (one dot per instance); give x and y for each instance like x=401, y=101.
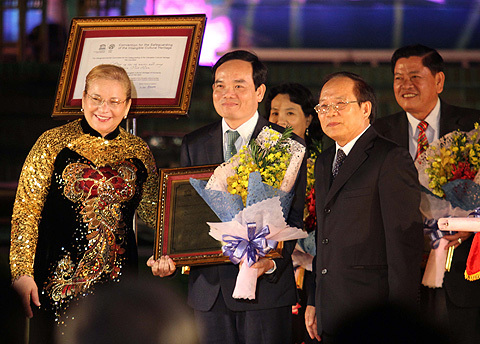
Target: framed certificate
x=159, y=53
x=182, y=230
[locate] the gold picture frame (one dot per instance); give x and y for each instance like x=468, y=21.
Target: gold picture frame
x=160, y=54
x=182, y=230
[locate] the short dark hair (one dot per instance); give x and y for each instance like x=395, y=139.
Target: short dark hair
x=259, y=69
x=298, y=94
x=302, y=96
x=363, y=91
x=430, y=57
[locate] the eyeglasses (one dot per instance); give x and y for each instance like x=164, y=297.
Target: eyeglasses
x=324, y=108
x=99, y=101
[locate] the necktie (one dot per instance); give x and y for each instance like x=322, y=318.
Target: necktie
x=422, y=142
x=338, y=162
x=232, y=137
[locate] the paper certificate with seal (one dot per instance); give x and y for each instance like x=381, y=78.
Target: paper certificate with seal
x=159, y=53
x=153, y=63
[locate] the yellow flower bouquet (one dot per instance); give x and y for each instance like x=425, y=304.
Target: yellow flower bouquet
x=251, y=194
x=456, y=156
x=448, y=173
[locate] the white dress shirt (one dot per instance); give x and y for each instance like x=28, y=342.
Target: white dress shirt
x=245, y=131
x=348, y=147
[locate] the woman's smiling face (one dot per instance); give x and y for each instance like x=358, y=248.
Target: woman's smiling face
x=111, y=94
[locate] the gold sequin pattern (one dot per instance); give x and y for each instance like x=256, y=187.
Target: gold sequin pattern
x=35, y=180
x=95, y=189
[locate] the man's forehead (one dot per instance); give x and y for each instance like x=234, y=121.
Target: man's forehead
x=402, y=69
x=327, y=97
x=412, y=64
x=237, y=80
x=337, y=89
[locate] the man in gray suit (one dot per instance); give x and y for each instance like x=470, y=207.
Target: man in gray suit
x=418, y=81
x=369, y=230
x=238, y=87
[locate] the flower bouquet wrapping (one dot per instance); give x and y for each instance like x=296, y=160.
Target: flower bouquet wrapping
x=448, y=171
x=305, y=249
x=251, y=194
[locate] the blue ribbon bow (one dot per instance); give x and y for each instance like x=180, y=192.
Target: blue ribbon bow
x=256, y=245
x=430, y=228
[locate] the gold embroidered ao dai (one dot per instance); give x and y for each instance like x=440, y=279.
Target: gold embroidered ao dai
x=72, y=226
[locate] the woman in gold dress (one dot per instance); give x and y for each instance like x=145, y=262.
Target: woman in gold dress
x=72, y=224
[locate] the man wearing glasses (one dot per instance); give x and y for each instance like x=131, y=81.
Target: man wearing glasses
x=369, y=232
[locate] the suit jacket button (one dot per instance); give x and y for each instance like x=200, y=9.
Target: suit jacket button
x=325, y=241
x=327, y=210
x=324, y=271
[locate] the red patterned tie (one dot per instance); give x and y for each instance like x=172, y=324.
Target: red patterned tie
x=422, y=142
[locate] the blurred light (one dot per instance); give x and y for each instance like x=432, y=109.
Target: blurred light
x=177, y=141
x=218, y=31
x=157, y=142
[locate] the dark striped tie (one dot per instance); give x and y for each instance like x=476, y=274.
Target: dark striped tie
x=422, y=141
x=232, y=137
x=338, y=162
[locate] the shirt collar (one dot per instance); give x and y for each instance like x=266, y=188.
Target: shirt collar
x=245, y=130
x=348, y=147
x=87, y=129
x=433, y=120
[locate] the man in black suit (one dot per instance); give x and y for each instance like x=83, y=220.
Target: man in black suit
x=369, y=229
x=418, y=80
x=238, y=88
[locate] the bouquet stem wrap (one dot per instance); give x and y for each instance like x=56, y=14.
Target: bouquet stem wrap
x=436, y=264
x=246, y=251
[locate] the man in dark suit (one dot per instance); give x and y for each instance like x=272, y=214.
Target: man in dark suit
x=418, y=80
x=369, y=230
x=238, y=88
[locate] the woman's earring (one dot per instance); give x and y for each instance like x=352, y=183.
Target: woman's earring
x=125, y=117
x=81, y=109
x=306, y=132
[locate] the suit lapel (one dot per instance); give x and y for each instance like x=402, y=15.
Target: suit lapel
x=260, y=124
x=449, y=120
x=324, y=168
x=214, y=145
x=401, y=132
x=354, y=160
